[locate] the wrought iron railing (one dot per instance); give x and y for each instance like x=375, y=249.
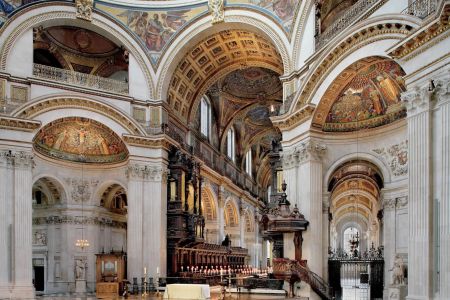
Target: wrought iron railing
x=80, y=79
x=421, y=8
x=350, y=16
x=290, y=269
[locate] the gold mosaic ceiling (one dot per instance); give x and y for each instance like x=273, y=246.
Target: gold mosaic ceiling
x=80, y=140
x=214, y=58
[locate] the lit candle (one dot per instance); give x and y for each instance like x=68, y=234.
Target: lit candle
x=145, y=271
x=157, y=270
x=103, y=267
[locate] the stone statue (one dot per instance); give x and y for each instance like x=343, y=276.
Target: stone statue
x=80, y=267
x=217, y=10
x=84, y=9
x=398, y=274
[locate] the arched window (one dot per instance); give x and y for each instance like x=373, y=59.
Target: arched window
x=248, y=162
x=351, y=235
x=205, y=117
x=231, y=144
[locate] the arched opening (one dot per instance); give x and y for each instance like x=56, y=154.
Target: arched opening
x=231, y=217
x=47, y=195
x=354, y=230
x=81, y=210
x=80, y=56
x=209, y=211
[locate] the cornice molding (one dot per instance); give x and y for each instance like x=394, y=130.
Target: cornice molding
x=19, y=124
x=159, y=141
x=424, y=38
x=35, y=108
x=295, y=119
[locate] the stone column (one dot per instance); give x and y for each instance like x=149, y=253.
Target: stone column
x=310, y=186
x=134, y=221
x=154, y=219
x=443, y=98
x=419, y=188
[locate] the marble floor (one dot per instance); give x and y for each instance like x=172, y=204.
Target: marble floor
x=214, y=296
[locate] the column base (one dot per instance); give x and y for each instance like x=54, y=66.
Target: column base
x=397, y=292
x=22, y=292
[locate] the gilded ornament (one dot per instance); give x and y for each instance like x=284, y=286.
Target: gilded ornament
x=84, y=9
x=217, y=10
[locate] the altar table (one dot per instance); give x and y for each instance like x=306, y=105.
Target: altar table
x=187, y=291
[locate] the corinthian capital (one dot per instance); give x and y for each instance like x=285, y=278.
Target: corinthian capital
x=417, y=100
x=310, y=150
x=17, y=159
x=145, y=172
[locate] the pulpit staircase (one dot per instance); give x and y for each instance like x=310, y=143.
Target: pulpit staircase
x=293, y=271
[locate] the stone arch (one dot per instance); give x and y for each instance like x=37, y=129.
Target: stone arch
x=249, y=220
x=202, y=29
x=105, y=189
x=38, y=14
x=363, y=156
x=231, y=213
x=209, y=204
x=43, y=109
x=371, y=37
x=53, y=188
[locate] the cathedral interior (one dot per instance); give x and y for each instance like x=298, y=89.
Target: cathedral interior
x=299, y=147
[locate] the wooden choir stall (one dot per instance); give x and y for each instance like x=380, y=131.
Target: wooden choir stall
x=110, y=274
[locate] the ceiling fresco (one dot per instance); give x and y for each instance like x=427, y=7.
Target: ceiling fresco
x=253, y=82
x=7, y=7
x=216, y=57
x=80, y=140
x=363, y=96
x=156, y=27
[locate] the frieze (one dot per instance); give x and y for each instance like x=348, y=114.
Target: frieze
x=145, y=172
x=78, y=220
x=396, y=156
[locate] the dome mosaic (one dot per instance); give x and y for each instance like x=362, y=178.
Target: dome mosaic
x=80, y=140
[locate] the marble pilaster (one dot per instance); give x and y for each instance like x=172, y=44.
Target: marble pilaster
x=309, y=200
x=418, y=103
x=443, y=112
x=221, y=216
x=16, y=224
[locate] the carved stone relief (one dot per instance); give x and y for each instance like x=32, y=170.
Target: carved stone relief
x=396, y=156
